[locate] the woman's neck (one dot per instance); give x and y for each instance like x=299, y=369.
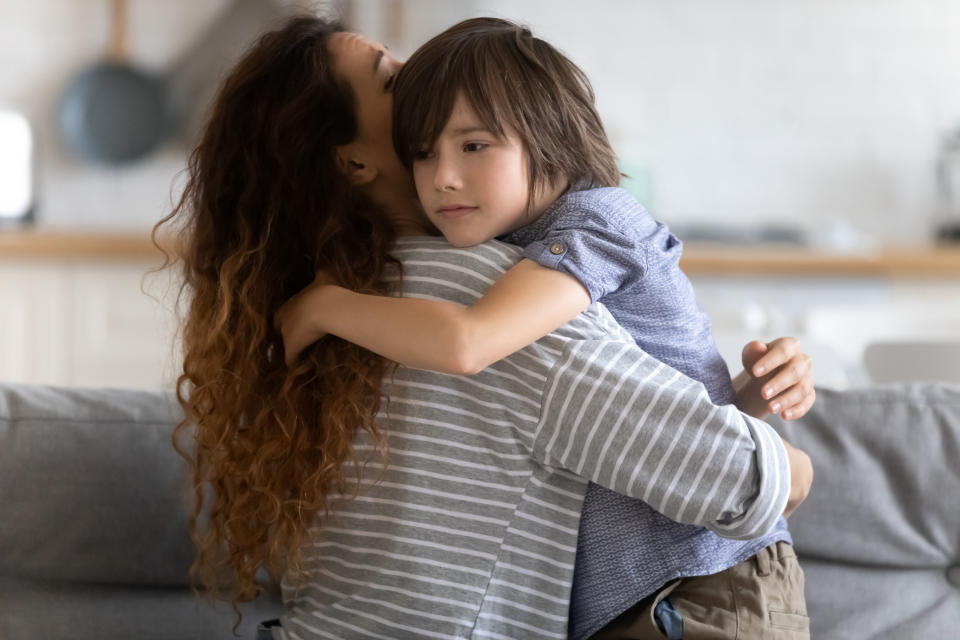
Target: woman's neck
x=408, y=218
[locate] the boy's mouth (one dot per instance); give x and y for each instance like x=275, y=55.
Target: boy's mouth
x=455, y=210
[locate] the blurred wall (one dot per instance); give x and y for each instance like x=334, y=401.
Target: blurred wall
x=733, y=112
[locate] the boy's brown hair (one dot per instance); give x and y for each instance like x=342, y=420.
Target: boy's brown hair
x=510, y=79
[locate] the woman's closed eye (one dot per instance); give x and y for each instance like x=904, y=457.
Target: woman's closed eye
x=388, y=85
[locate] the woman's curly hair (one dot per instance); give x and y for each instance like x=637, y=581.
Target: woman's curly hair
x=265, y=206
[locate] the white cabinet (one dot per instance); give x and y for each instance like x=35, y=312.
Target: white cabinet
x=86, y=323
x=122, y=330
x=34, y=302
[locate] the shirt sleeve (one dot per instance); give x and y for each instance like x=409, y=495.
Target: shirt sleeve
x=615, y=415
x=594, y=248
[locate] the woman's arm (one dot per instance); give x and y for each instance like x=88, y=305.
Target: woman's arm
x=523, y=305
x=801, y=477
x=777, y=378
x=613, y=414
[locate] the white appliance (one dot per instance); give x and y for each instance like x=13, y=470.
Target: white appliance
x=16, y=168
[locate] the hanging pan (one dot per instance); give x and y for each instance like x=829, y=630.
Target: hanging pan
x=115, y=112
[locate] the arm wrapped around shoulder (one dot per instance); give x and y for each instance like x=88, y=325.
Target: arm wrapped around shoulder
x=615, y=415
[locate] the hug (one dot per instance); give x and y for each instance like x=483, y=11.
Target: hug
x=443, y=377
x=518, y=428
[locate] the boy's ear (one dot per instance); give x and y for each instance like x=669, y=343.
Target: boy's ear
x=354, y=166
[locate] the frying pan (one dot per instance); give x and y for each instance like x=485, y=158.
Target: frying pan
x=114, y=112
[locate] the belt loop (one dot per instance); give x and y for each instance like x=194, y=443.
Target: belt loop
x=777, y=549
x=763, y=562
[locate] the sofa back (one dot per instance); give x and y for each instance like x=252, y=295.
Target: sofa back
x=93, y=493
x=94, y=539
x=91, y=488
x=879, y=535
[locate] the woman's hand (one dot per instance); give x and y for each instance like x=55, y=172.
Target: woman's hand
x=297, y=319
x=777, y=378
x=801, y=477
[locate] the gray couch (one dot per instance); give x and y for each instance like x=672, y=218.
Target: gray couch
x=93, y=542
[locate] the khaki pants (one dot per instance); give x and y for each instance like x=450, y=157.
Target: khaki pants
x=759, y=599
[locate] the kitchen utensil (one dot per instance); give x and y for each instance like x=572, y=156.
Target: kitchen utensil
x=115, y=112
x=948, y=180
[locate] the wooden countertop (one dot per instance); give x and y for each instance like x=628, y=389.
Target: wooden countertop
x=700, y=260
x=891, y=262
x=78, y=245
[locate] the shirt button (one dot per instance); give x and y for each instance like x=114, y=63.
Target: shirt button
x=953, y=574
x=556, y=248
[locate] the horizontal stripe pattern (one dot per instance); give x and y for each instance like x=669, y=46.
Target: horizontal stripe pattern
x=470, y=531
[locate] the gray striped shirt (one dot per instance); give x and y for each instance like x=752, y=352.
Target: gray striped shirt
x=470, y=531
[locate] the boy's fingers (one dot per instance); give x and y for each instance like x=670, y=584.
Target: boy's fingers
x=791, y=398
x=752, y=352
x=800, y=410
x=796, y=371
x=778, y=352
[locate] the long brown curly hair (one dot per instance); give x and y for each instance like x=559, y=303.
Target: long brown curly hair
x=264, y=208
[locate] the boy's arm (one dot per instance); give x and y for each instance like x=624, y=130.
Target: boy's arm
x=613, y=414
x=523, y=305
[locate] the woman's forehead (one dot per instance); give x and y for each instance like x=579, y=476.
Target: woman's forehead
x=353, y=50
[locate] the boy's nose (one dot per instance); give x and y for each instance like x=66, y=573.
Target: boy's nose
x=447, y=178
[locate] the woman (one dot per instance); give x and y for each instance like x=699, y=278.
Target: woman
x=296, y=174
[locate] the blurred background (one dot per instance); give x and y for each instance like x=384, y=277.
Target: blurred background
x=808, y=153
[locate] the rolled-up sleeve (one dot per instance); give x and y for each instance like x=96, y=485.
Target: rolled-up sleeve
x=615, y=415
x=602, y=255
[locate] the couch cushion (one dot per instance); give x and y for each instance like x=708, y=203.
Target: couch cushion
x=90, y=487
x=880, y=531
x=95, y=612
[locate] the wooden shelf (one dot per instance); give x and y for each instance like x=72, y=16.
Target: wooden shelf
x=78, y=245
x=893, y=262
x=700, y=260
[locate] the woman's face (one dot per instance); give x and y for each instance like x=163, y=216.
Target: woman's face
x=369, y=69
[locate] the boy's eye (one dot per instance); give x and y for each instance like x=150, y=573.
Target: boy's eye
x=474, y=146
x=421, y=155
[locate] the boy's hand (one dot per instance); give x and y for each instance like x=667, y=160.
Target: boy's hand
x=296, y=319
x=777, y=378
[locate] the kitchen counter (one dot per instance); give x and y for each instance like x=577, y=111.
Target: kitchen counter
x=701, y=260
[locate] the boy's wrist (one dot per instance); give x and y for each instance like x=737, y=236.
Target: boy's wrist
x=323, y=299
x=747, y=395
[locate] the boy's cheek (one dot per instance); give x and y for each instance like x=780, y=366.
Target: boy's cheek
x=422, y=191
